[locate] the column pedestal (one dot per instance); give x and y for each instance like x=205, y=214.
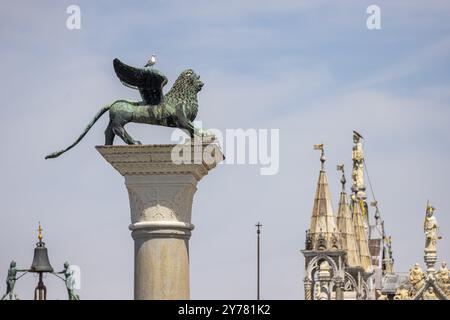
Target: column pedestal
x=161, y=190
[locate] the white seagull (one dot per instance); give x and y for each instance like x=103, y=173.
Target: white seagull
x=151, y=61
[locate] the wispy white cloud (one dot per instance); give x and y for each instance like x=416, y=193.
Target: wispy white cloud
x=411, y=63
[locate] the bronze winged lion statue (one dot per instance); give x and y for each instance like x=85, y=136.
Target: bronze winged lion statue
x=177, y=109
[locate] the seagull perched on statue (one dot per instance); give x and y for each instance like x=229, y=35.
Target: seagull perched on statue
x=151, y=61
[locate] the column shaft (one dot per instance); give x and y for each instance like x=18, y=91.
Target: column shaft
x=161, y=264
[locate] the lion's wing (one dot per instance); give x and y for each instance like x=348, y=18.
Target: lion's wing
x=148, y=81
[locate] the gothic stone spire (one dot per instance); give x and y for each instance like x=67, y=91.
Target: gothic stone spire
x=346, y=226
x=322, y=229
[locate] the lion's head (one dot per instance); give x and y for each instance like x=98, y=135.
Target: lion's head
x=188, y=81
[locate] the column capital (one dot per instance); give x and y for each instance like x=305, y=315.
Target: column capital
x=162, y=179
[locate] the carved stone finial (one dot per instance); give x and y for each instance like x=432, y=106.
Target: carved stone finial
x=335, y=240
x=388, y=260
x=340, y=167
x=321, y=241
x=322, y=155
x=308, y=241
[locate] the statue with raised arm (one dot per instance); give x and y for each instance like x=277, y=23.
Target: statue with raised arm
x=177, y=109
x=430, y=228
x=11, y=281
x=70, y=281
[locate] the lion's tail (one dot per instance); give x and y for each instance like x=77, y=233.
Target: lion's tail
x=89, y=126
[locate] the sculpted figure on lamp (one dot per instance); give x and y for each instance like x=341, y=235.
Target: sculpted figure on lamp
x=11, y=281
x=69, y=279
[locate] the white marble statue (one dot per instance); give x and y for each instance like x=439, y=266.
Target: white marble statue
x=358, y=166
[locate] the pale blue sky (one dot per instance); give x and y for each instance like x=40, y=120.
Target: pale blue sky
x=310, y=68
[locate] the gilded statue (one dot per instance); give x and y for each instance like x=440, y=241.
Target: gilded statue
x=430, y=228
x=416, y=277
